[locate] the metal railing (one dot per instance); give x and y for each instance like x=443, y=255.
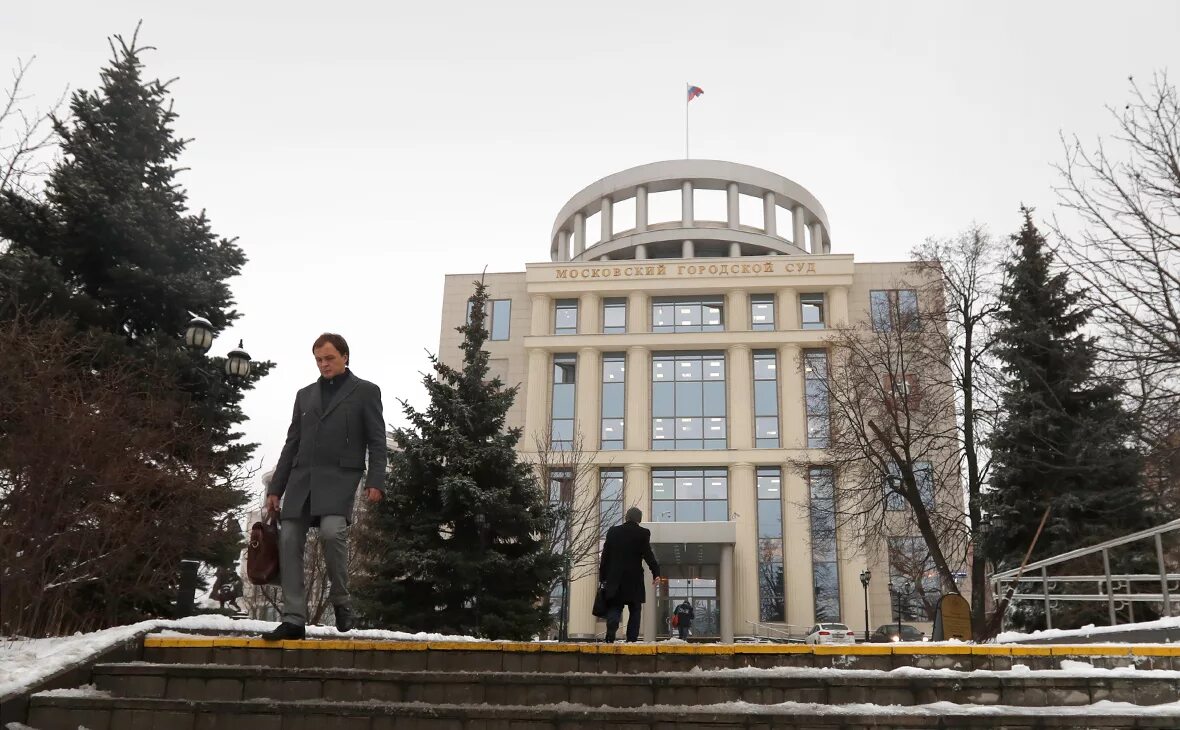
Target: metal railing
x=1114, y=589
x=767, y=631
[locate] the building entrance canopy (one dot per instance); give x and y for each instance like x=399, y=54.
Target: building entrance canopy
x=681, y=548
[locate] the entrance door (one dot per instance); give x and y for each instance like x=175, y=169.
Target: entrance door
x=700, y=592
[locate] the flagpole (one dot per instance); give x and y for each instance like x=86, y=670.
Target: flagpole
x=686, y=101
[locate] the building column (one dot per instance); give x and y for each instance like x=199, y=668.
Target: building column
x=739, y=373
x=589, y=314
x=536, y=399
x=738, y=303
x=640, y=251
x=579, y=234
x=541, y=315
x=769, y=214
x=733, y=210
x=837, y=301
x=640, y=208
x=638, y=311
x=792, y=416
x=686, y=212
x=817, y=237
x=743, y=508
x=797, y=571
x=607, y=220
x=726, y=594
x=587, y=408
x=563, y=246
x=735, y=250
x=686, y=250
x=637, y=424
x=637, y=489
x=582, y=623
x=800, y=238
x=788, y=309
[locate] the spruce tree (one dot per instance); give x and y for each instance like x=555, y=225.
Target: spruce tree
x=457, y=547
x=1063, y=437
x=115, y=250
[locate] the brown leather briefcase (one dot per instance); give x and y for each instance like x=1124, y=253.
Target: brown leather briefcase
x=262, y=552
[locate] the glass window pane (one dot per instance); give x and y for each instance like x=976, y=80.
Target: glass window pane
x=688, y=368
x=663, y=368
x=663, y=429
x=690, y=512
x=716, y=487
x=501, y=318
x=907, y=305
x=714, y=428
x=688, y=428
x=762, y=312
x=614, y=368
x=563, y=400
x=716, y=511
x=566, y=316
x=563, y=430
x=686, y=444
x=765, y=398
x=612, y=429
x=879, y=310
x=714, y=399
x=663, y=487
x=662, y=315
x=564, y=368
x=714, y=368
x=714, y=444
x=663, y=511
x=770, y=519
x=766, y=428
x=688, y=315
x=612, y=486
x=765, y=367
x=612, y=400
x=690, y=488
x=688, y=399
x=663, y=399
x=769, y=486
x=614, y=316
x=711, y=316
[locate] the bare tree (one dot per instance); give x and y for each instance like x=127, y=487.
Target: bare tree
x=963, y=273
x=1124, y=202
x=97, y=508
x=27, y=138
x=893, y=436
x=580, y=517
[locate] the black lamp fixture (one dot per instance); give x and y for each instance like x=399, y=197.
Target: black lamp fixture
x=199, y=338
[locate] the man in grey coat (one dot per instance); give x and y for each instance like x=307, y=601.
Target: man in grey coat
x=336, y=424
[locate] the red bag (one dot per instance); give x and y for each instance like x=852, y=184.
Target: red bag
x=675, y=620
x=262, y=552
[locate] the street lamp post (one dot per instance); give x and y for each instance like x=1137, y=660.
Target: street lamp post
x=902, y=588
x=865, y=577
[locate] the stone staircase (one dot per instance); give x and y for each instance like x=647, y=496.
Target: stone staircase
x=194, y=683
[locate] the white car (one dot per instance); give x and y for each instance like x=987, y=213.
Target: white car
x=829, y=634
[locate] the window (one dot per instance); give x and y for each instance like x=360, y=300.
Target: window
x=689, y=495
x=826, y=577
x=766, y=435
x=923, y=475
x=565, y=320
x=610, y=500
x=688, y=401
x=499, y=321
x=696, y=314
x=894, y=309
x=771, y=590
x=902, y=392
x=614, y=366
x=762, y=312
x=561, y=496
x=811, y=311
x=911, y=565
x=815, y=393
x=614, y=316
x=564, y=384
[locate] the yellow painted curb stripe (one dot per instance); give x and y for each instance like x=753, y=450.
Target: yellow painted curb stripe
x=1031, y=651
x=1091, y=650
x=932, y=650
x=1155, y=650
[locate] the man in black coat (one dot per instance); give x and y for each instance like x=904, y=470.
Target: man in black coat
x=620, y=573
x=337, y=431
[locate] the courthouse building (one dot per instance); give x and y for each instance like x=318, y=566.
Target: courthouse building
x=682, y=354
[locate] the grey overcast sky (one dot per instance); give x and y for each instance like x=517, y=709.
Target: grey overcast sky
x=360, y=151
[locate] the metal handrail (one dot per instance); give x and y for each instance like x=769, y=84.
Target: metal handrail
x=1106, y=582
x=757, y=626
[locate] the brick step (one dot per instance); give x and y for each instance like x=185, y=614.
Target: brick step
x=636, y=658
x=832, y=687
x=65, y=712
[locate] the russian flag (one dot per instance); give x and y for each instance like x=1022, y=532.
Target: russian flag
x=694, y=92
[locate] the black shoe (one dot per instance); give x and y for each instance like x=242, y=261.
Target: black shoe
x=345, y=618
x=285, y=631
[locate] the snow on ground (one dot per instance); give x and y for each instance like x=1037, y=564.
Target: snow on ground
x=1069, y=670
x=25, y=662
x=1089, y=630
x=938, y=709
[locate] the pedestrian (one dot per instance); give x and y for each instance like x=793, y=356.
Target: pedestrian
x=620, y=573
x=337, y=423
x=684, y=616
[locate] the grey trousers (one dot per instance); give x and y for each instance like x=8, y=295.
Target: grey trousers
x=292, y=541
